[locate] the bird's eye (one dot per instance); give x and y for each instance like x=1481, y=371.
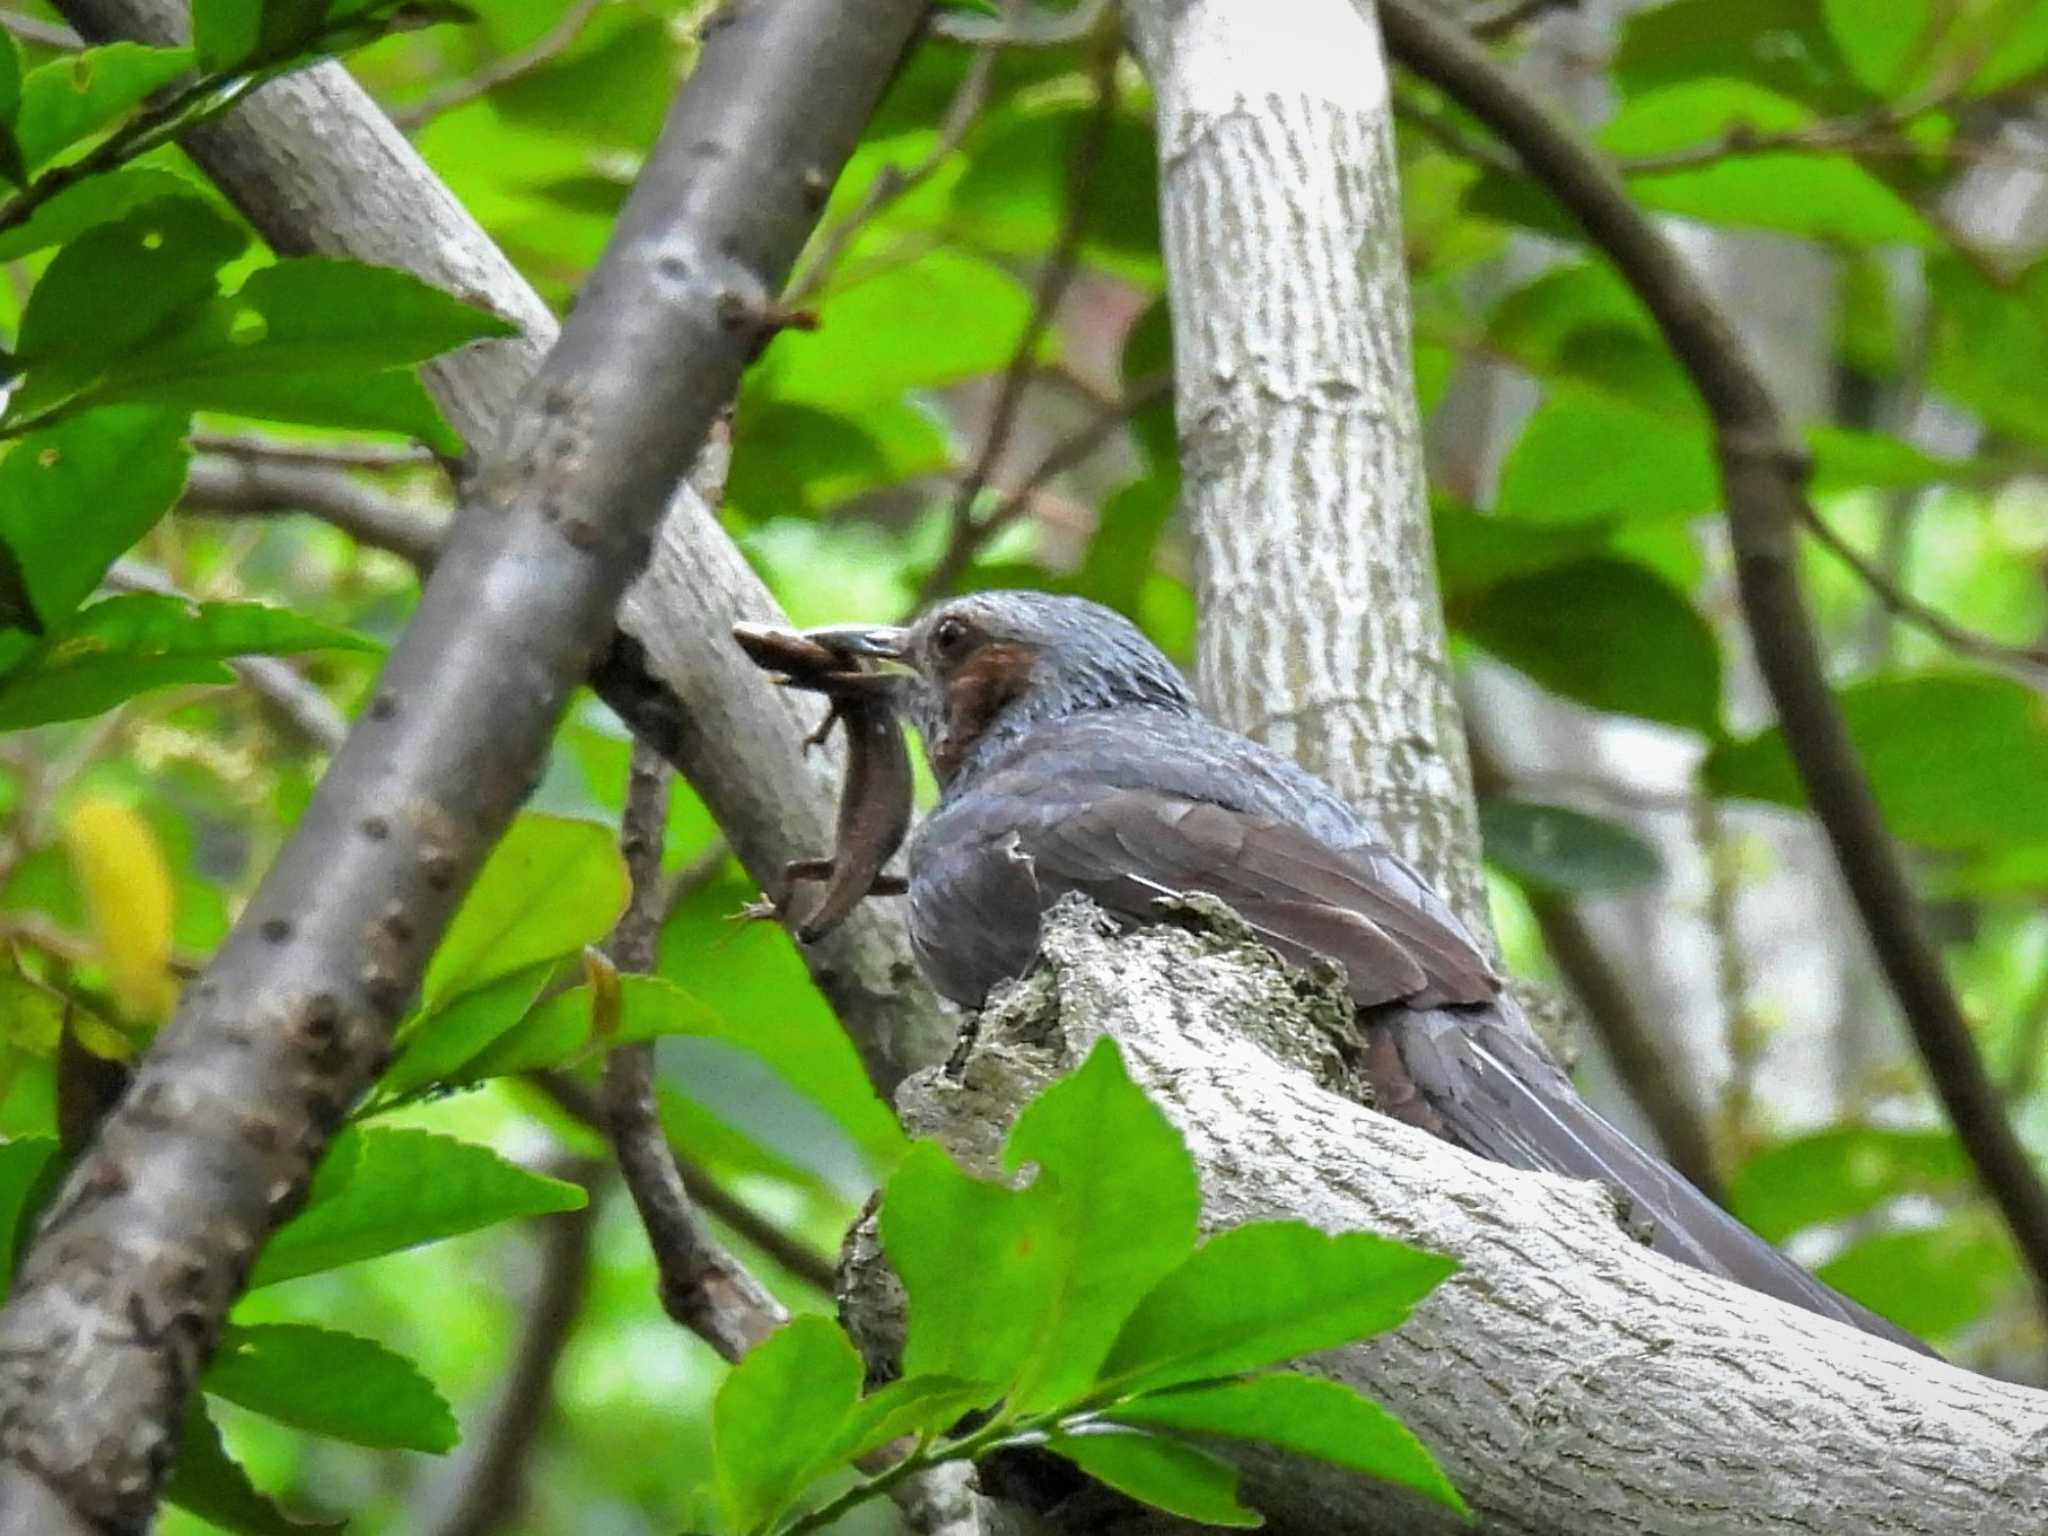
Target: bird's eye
x=949, y=638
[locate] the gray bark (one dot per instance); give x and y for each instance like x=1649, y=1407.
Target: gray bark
x=120, y=1301
x=1569, y=1379
x=1322, y=632
x=314, y=164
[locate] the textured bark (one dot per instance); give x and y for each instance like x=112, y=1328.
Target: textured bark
x=314, y=164
x=1569, y=1379
x=120, y=1301
x=1322, y=633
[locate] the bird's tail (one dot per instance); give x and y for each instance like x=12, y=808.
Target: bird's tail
x=1498, y=1093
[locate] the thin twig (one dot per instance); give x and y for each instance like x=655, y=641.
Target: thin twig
x=1492, y=23
x=1763, y=475
x=497, y=1459
x=703, y=1287
x=892, y=182
x=798, y=1258
x=1070, y=451
x=501, y=71
x=1083, y=164
x=350, y=452
x=1908, y=609
x=1743, y=1029
x=252, y=486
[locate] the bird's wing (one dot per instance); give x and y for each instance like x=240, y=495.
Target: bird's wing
x=1125, y=848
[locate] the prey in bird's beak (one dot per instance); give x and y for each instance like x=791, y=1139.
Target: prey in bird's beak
x=883, y=642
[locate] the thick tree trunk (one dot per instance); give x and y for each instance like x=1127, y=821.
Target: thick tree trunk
x=1569, y=1379
x=1322, y=632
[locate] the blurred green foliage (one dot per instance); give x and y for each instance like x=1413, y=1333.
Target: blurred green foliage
x=143, y=790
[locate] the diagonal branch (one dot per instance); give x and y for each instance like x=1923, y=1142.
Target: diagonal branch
x=1763, y=474
x=120, y=1301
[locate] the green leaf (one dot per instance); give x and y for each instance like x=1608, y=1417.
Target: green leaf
x=1607, y=633
x=331, y=1384
x=435, y=1046
x=1848, y=460
x=1780, y=44
x=94, y=201
x=1956, y=760
x=1554, y=848
x=1267, y=1292
x=1816, y=196
x=1013, y=194
x=1987, y=343
x=211, y=1484
x=1564, y=468
x=551, y=886
x=976, y=1269
x=69, y=97
x=1842, y=1172
x=74, y=496
x=649, y=1007
x=793, y=459
x=116, y=286
x=122, y=646
x=1305, y=1415
x=609, y=92
x=1879, y=41
x=404, y=1188
x=24, y=1165
x=1166, y=1474
x=225, y=32
x=316, y=340
x=910, y=1405
x=778, y=1417
x=1933, y=1281
x=1117, y=1198
x=945, y=317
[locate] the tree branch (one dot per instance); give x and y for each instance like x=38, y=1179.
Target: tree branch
x=309, y=711
x=120, y=1300
x=1763, y=475
x=243, y=486
x=1568, y=1378
x=702, y=1286
x=314, y=165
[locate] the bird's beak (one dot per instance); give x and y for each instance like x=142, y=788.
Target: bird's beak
x=885, y=642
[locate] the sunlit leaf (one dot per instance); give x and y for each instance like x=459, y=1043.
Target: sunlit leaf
x=402, y=1188
x=74, y=496
x=1305, y=1415
x=777, y=1419
x=75, y=95
x=551, y=886
x=331, y=1384
x=1841, y=1172
x=1167, y=1474
x=1261, y=1294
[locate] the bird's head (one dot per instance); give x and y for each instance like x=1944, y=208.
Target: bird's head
x=993, y=664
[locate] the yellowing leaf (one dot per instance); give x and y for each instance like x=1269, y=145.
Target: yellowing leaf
x=127, y=888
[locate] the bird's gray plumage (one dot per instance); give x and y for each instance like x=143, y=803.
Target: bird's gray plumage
x=1081, y=764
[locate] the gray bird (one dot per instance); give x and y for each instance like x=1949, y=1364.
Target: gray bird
x=1071, y=757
